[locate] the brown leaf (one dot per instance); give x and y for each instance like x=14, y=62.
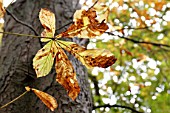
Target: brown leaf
x=126, y=51
x=2, y=10
x=142, y=57
x=90, y=58
x=98, y=57
x=85, y=25
x=159, y=5
x=66, y=75
x=47, y=99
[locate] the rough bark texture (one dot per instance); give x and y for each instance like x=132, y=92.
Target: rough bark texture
x=16, y=56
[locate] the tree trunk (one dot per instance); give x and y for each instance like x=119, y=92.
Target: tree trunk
x=16, y=56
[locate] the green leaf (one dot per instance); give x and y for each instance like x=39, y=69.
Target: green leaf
x=43, y=61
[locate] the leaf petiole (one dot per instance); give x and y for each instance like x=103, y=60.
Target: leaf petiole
x=19, y=34
x=14, y=100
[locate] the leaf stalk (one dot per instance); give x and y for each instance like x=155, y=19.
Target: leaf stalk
x=14, y=100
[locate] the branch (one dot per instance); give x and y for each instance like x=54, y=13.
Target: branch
x=140, y=42
x=93, y=4
x=21, y=22
x=120, y=106
x=95, y=82
x=63, y=26
x=9, y=4
x=137, y=28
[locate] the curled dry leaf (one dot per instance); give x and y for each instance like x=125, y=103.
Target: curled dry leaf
x=98, y=57
x=91, y=57
x=2, y=10
x=47, y=99
x=47, y=19
x=85, y=25
x=66, y=75
x=43, y=60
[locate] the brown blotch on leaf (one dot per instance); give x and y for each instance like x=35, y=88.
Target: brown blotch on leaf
x=86, y=25
x=100, y=61
x=66, y=75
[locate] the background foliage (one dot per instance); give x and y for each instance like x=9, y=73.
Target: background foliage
x=140, y=41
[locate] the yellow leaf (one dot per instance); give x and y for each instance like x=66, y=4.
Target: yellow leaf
x=43, y=61
x=85, y=25
x=47, y=19
x=45, y=33
x=86, y=21
x=90, y=58
x=66, y=75
x=47, y=99
x=77, y=15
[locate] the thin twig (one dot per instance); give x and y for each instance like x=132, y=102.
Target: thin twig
x=93, y=4
x=95, y=82
x=138, y=28
x=19, y=34
x=120, y=106
x=139, y=42
x=14, y=99
x=9, y=4
x=63, y=26
x=21, y=22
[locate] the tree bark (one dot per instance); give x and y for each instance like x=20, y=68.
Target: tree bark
x=17, y=52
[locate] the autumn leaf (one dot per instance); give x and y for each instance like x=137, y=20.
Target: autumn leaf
x=47, y=99
x=126, y=51
x=47, y=19
x=102, y=11
x=91, y=57
x=159, y=5
x=43, y=60
x=98, y=57
x=66, y=75
x=2, y=10
x=85, y=25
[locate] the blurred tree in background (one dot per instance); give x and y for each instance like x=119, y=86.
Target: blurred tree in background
x=139, y=37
